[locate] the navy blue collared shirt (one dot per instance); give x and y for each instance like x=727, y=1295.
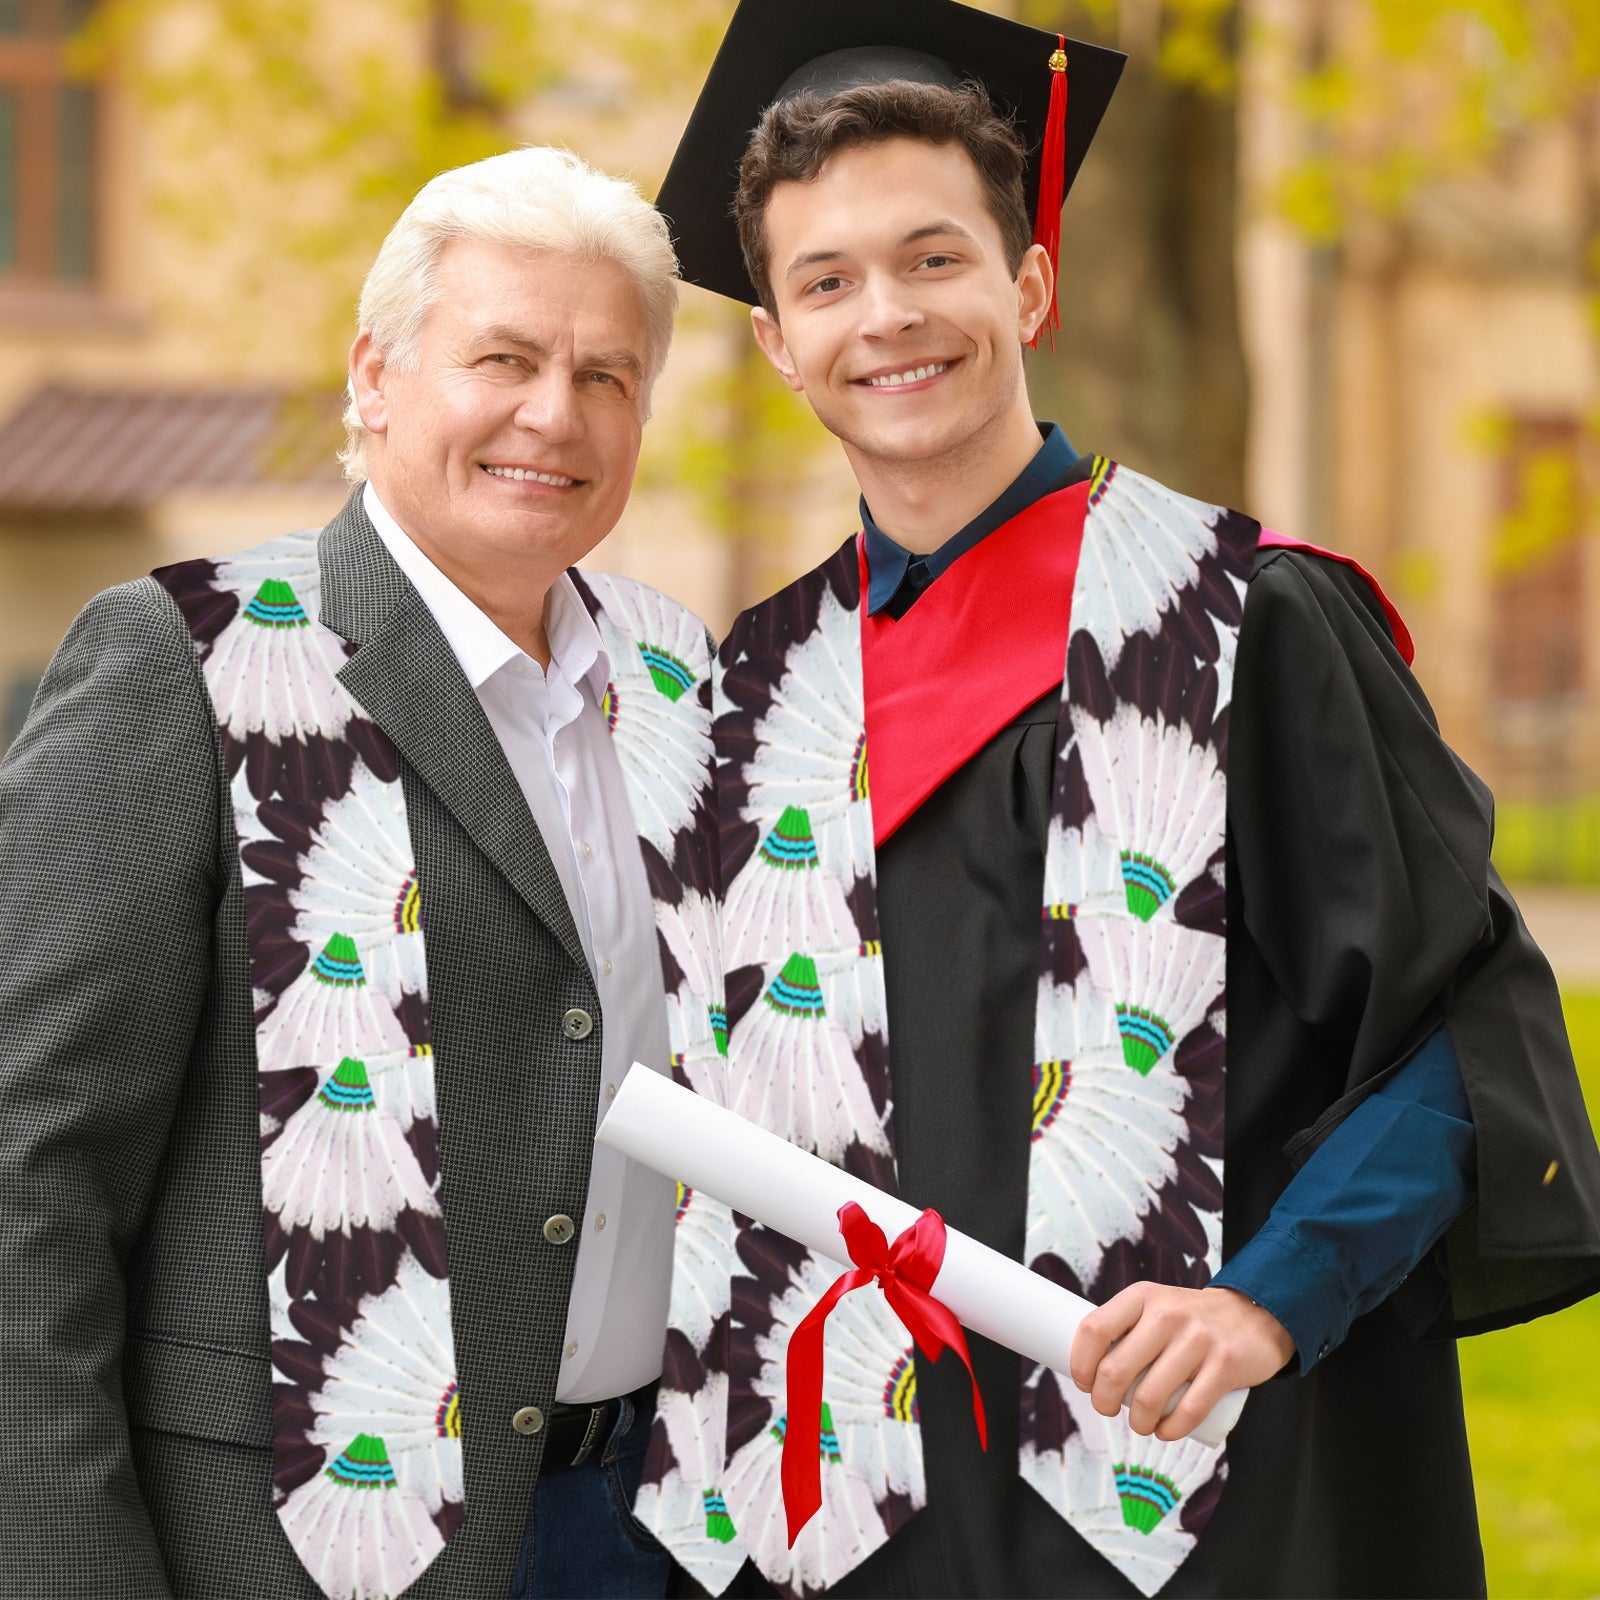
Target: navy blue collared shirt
x=1375, y=1197
x=897, y=576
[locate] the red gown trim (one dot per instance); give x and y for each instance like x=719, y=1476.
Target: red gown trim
x=1397, y=624
x=936, y=689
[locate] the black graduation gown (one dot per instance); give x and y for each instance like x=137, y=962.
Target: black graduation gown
x=1362, y=912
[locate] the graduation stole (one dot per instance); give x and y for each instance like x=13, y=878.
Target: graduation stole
x=367, y=1466
x=1125, y=1175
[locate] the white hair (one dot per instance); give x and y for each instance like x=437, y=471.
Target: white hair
x=537, y=197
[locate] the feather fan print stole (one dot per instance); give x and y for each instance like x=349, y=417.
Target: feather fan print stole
x=367, y=1414
x=1125, y=1167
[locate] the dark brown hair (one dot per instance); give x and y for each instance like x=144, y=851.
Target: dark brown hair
x=796, y=137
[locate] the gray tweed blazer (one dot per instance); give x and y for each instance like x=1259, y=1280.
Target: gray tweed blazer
x=134, y=1342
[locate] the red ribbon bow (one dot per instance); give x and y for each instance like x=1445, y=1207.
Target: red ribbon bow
x=906, y=1270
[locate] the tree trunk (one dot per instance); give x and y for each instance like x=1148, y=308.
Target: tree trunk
x=1148, y=366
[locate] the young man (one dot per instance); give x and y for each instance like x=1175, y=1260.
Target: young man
x=1094, y=874
x=328, y=920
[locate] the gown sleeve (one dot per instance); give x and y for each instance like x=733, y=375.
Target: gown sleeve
x=1359, y=849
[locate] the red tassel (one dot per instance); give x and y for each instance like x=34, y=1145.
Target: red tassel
x=1052, y=183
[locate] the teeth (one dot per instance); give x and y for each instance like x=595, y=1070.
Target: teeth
x=914, y=375
x=518, y=475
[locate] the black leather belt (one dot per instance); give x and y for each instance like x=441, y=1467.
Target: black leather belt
x=575, y=1433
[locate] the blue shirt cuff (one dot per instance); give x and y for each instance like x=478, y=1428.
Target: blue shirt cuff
x=1367, y=1206
x=1285, y=1276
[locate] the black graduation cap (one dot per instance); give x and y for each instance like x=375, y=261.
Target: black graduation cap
x=777, y=48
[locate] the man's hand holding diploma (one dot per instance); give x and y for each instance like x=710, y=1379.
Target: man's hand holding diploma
x=1214, y=1340
x=669, y=1129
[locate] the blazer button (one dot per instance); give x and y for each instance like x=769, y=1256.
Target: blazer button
x=530, y=1419
x=559, y=1229
x=577, y=1023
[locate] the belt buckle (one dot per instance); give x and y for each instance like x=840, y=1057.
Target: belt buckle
x=591, y=1434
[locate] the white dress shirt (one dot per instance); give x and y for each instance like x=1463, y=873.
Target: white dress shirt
x=549, y=724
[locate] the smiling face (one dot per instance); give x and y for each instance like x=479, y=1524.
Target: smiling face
x=898, y=315
x=509, y=447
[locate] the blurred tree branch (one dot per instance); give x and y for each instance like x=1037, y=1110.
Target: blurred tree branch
x=295, y=132
x=1150, y=363
x=299, y=130
x=1401, y=95
x=1394, y=102
x=1406, y=103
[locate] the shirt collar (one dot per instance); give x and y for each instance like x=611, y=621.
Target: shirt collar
x=476, y=640
x=575, y=643
x=888, y=562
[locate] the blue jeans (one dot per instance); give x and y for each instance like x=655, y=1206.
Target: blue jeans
x=581, y=1541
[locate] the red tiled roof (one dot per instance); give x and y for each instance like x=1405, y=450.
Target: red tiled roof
x=82, y=450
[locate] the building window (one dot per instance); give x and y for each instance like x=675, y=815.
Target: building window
x=48, y=138
x=1538, y=566
x=1538, y=641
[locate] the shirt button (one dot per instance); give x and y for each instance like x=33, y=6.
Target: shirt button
x=588, y=851
x=530, y=1419
x=611, y=1091
x=571, y=1350
x=605, y=967
x=600, y=1223
x=559, y=1229
x=577, y=1023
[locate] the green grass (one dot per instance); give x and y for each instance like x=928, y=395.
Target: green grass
x=1548, y=841
x=1533, y=1415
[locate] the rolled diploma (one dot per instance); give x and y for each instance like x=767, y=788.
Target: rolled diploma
x=682, y=1135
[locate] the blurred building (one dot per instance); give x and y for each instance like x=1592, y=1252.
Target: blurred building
x=1426, y=396
x=163, y=397
x=1422, y=394
x=121, y=446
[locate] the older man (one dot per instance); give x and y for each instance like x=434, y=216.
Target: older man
x=335, y=878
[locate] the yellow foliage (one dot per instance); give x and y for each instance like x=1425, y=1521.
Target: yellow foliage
x=1488, y=429
x=1197, y=47
x=1393, y=179
x=1416, y=575
x=1550, y=511
x=291, y=133
x=1308, y=195
x=1325, y=93
x=1410, y=92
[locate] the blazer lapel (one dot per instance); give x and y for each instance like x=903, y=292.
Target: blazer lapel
x=406, y=676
